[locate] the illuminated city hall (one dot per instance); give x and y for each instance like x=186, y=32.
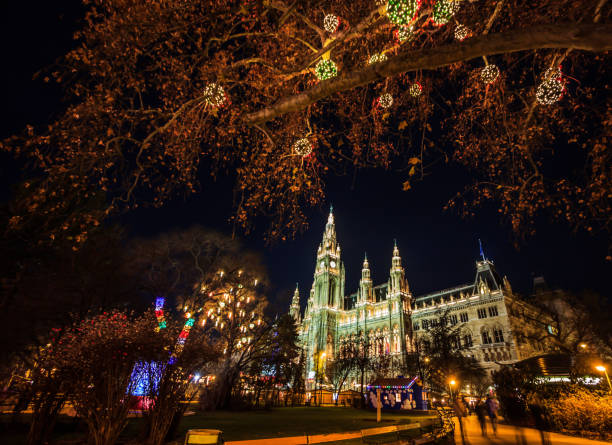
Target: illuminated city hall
x=485, y=313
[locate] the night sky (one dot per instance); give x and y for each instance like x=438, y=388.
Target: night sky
x=438, y=248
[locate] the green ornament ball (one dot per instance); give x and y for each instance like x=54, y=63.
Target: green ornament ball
x=402, y=12
x=443, y=11
x=326, y=69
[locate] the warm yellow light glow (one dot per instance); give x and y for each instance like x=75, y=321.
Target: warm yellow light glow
x=600, y=368
x=452, y=382
x=582, y=345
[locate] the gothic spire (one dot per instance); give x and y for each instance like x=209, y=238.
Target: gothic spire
x=365, y=271
x=329, y=245
x=294, y=309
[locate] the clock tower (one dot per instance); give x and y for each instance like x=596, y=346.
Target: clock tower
x=325, y=304
x=329, y=273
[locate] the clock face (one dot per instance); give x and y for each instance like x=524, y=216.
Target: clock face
x=332, y=263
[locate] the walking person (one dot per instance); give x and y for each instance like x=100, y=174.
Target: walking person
x=459, y=410
x=492, y=409
x=540, y=420
x=481, y=414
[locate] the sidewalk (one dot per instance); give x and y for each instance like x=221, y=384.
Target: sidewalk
x=507, y=434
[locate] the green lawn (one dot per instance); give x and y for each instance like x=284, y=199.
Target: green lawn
x=241, y=425
x=290, y=421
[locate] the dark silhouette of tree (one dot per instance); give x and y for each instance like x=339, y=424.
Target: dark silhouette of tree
x=444, y=358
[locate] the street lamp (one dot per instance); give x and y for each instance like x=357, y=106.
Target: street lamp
x=601, y=368
x=451, y=383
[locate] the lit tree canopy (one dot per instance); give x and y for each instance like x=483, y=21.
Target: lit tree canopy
x=159, y=91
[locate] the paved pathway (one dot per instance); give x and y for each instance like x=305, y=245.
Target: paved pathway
x=507, y=435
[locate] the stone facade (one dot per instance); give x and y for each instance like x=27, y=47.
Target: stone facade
x=486, y=311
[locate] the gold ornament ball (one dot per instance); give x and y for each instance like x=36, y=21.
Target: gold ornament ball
x=330, y=23
x=489, y=74
x=415, y=89
x=302, y=147
x=462, y=32
x=385, y=100
x=549, y=92
x=376, y=58
x=214, y=94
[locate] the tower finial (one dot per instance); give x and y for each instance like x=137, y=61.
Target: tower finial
x=481, y=251
x=330, y=218
x=395, y=242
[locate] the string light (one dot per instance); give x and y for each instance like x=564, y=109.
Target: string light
x=159, y=313
x=326, y=69
x=462, y=32
x=385, y=100
x=402, y=12
x=404, y=33
x=378, y=57
x=331, y=23
x=214, y=95
x=443, y=11
x=302, y=147
x=415, y=89
x=489, y=74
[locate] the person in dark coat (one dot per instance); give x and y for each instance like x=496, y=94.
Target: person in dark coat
x=492, y=409
x=481, y=414
x=459, y=410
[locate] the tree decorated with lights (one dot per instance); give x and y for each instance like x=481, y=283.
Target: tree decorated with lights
x=232, y=88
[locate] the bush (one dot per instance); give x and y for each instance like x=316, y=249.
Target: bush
x=580, y=411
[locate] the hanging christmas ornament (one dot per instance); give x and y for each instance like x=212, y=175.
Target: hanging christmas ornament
x=214, y=95
x=378, y=57
x=489, y=74
x=326, y=69
x=549, y=92
x=443, y=11
x=415, y=89
x=302, y=147
x=552, y=88
x=331, y=23
x=385, y=100
x=404, y=34
x=402, y=12
x=462, y=32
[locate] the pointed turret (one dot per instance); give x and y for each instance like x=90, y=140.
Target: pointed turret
x=487, y=279
x=396, y=276
x=294, y=309
x=365, y=284
x=329, y=244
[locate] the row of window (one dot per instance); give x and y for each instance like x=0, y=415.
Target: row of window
x=498, y=336
x=482, y=312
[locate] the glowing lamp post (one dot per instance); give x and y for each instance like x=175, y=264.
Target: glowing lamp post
x=601, y=368
x=451, y=384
